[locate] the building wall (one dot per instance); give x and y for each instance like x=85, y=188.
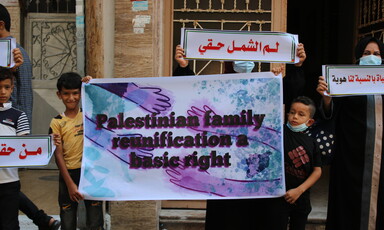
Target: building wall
x=137, y=39
x=136, y=48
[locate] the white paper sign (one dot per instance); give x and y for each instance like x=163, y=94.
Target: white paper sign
x=239, y=45
x=6, y=55
x=24, y=151
x=344, y=80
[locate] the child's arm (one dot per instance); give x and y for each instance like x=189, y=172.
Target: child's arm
x=74, y=194
x=86, y=79
x=293, y=194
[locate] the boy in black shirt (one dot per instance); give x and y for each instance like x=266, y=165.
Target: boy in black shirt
x=302, y=162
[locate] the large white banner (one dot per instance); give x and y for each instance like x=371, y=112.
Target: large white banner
x=26, y=151
x=345, y=80
x=239, y=45
x=206, y=137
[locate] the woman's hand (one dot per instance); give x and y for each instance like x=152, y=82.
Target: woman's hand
x=278, y=70
x=17, y=58
x=300, y=52
x=322, y=86
x=179, y=57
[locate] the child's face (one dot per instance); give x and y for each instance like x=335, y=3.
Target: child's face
x=6, y=89
x=70, y=98
x=299, y=114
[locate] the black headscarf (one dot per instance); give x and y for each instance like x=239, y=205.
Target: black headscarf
x=362, y=44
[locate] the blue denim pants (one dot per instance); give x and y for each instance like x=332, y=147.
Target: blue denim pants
x=68, y=208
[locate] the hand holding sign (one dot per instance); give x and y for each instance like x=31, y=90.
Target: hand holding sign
x=18, y=58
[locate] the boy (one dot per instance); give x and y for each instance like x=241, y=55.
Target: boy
x=302, y=164
x=13, y=122
x=67, y=129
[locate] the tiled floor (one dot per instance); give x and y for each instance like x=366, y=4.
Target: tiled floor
x=319, y=197
x=41, y=186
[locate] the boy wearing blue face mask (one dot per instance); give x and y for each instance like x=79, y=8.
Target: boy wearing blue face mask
x=302, y=162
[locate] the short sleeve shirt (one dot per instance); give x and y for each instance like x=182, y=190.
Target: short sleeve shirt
x=13, y=122
x=71, y=132
x=301, y=155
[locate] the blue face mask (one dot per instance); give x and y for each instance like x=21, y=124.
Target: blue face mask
x=298, y=128
x=243, y=66
x=370, y=60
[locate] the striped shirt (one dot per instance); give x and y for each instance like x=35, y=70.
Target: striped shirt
x=22, y=95
x=13, y=122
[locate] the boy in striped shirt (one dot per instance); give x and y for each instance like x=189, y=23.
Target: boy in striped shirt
x=13, y=122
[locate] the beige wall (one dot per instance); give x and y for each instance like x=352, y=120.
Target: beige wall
x=138, y=37
x=136, y=54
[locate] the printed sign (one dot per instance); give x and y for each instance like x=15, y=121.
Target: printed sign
x=239, y=45
x=6, y=55
x=25, y=151
x=344, y=80
x=206, y=137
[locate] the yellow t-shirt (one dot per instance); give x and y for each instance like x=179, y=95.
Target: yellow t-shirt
x=71, y=132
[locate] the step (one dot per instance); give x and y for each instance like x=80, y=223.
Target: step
x=187, y=219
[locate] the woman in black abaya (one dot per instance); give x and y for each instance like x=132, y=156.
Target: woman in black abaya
x=356, y=189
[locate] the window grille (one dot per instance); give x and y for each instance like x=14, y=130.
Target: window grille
x=371, y=18
x=49, y=6
x=250, y=15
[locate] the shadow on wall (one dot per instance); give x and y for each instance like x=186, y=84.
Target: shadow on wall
x=46, y=105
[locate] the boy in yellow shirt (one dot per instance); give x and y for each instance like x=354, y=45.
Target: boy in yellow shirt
x=67, y=129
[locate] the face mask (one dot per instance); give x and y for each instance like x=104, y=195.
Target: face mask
x=370, y=60
x=243, y=66
x=298, y=128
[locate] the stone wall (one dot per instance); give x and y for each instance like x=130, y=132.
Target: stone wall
x=136, y=36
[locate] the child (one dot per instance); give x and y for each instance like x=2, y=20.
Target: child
x=302, y=169
x=67, y=129
x=13, y=122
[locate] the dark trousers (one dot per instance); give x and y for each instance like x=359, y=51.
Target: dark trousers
x=282, y=214
x=39, y=217
x=9, y=206
x=244, y=214
x=68, y=208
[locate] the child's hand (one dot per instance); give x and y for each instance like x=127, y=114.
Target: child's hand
x=300, y=52
x=56, y=139
x=179, y=57
x=86, y=79
x=17, y=58
x=278, y=70
x=292, y=195
x=74, y=193
x=322, y=86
